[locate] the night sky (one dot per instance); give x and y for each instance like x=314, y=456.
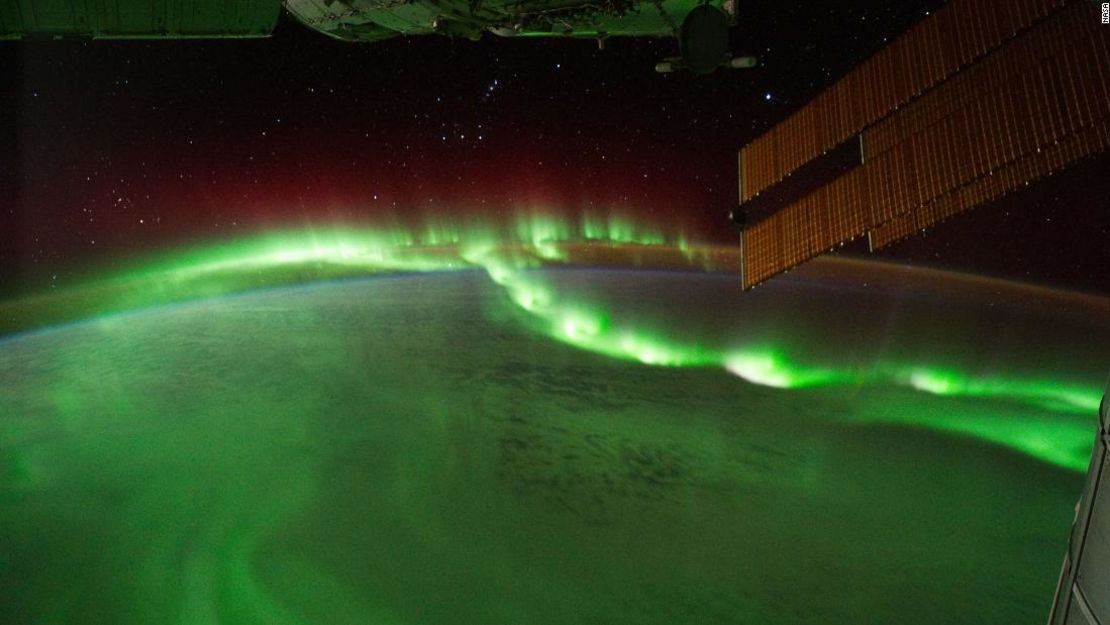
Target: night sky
x=112, y=148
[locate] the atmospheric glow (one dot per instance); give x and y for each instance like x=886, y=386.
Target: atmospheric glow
x=1050, y=395
x=771, y=369
x=510, y=257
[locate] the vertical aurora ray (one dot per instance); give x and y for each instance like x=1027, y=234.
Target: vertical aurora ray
x=512, y=256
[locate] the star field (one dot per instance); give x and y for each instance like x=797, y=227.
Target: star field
x=124, y=146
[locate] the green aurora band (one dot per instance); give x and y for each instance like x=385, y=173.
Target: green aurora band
x=510, y=253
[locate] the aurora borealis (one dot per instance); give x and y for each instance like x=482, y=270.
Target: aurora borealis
x=510, y=255
x=488, y=430
x=444, y=332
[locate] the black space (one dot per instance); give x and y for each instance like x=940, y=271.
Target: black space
x=117, y=146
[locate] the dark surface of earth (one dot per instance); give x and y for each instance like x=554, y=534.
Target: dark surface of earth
x=412, y=450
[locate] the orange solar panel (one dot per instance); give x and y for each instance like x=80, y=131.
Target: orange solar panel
x=1036, y=104
x=1013, y=175
x=934, y=49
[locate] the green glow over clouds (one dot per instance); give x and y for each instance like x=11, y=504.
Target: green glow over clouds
x=511, y=255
